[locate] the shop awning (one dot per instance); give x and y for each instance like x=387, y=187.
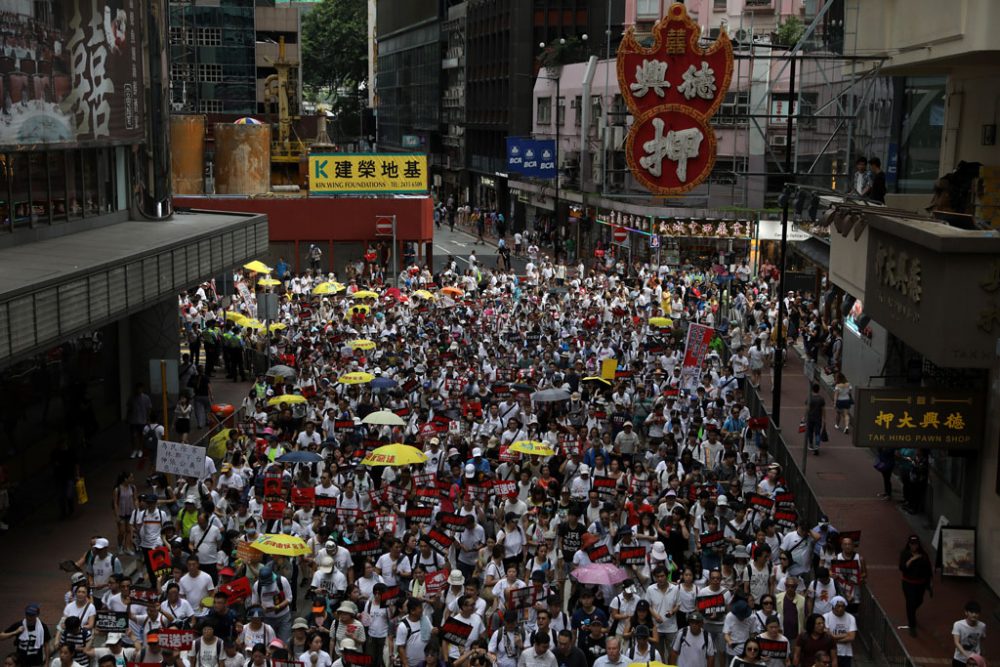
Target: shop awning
x=816, y=251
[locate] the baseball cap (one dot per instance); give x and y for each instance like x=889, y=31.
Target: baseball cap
x=266, y=573
x=101, y=543
x=476, y=451
x=584, y=469
x=32, y=610
x=113, y=638
x=227, y=572
x=470, y=470
x=300, y=624
x=695, y=617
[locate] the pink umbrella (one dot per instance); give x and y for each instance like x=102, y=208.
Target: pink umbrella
x=599, y=574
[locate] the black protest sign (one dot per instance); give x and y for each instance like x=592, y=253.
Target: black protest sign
x=712, y=604
x=632, y=555
x=111, y=621
x=440, y=541
x=455, y=631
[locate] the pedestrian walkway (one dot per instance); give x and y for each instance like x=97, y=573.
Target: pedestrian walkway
x=846, y=483
x=38, y=542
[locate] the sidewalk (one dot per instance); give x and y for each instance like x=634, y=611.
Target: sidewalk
x=846, y=484
x=37, y=543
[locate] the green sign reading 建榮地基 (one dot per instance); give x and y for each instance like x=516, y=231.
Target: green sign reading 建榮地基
x=899, y=417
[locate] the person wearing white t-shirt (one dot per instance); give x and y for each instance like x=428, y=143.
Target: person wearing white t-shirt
x=204, y=542
x=843, y=627
x=968, y=634
x=195, y=586
x=392, y=564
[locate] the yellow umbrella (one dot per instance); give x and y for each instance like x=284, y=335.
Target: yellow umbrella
x=383, y=417
x=281, y=545
x=252, y=324
x=364, y=294
x=654, y=663
x=394, y=455
x=331, y=287
x=276, y=326
x=257, y=266
x=361, y=344
x=233, y=316
x=269, y=282
x=424, y=294
x=597, y=378
x=357, y=377
x=532, y=447
x=217, y=444
x=290, y=399
x=661, y=321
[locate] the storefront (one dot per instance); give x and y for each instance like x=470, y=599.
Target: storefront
x=676, y=241
x=935, y=292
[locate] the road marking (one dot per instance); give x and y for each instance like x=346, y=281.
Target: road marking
x=443, y=249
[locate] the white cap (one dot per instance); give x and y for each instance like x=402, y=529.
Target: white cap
x=659, y=551
x=101, y=543
x=470, y=470
x=113, y=638
x=584, y=469
x=722, y=501
x=325, y=565
x=477, y=451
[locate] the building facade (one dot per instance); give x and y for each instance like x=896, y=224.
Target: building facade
x=91, y=260
x=930, y=317
x=222, y=53
x=751, y=126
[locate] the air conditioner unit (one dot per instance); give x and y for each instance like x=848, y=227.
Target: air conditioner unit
x=779, y=140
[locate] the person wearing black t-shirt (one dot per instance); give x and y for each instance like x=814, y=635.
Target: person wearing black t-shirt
x=31, y=638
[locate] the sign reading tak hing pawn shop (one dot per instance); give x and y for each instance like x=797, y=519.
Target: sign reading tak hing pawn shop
x=920, y=418
x=673, y=88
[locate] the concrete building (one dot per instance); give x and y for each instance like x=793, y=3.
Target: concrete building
x=750, y=127
x=221, y=54
x=927, y=309
x=91, y=260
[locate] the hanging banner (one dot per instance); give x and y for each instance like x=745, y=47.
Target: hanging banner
x=695, y=349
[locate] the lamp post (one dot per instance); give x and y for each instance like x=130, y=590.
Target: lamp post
x=557, y=232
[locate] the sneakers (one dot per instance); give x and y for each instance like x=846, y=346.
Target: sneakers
x=847, y=429
x=132, y=455
x=141, y=454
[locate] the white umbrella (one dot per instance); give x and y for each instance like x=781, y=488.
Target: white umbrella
x=383, y=417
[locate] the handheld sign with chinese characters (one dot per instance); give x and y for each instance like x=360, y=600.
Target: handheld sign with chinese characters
x=672, y=89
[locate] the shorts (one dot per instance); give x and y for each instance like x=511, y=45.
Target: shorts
x=844, y=404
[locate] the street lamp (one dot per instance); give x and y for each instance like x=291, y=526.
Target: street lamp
x=556, y=249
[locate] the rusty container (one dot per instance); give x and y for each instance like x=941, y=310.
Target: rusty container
x=187, y=154
x=242, y=159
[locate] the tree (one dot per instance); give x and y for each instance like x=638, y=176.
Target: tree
x=335, y=57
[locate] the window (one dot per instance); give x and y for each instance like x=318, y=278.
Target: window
x=618, y=110
x=647, y=10
x=210, y=36
x=578, y=108
x=544, y=113
x=719, y=5
x=180, y=35
x=210, y=73
x=181, y=72
x=210, y=106
x=596, y=109
x=561, y=113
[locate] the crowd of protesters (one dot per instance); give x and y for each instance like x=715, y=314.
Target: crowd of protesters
x=650, y=465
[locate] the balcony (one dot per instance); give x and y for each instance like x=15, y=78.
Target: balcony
x=762, y=6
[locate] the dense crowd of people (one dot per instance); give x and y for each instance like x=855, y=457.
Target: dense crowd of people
x=648, y=523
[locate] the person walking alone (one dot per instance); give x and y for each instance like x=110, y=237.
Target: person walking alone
x=917, y=573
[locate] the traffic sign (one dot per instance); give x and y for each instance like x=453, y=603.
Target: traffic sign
x=383, y=226
x=654, y=241
x=619, y=234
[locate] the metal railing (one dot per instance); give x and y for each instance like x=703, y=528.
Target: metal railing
x=876, y=632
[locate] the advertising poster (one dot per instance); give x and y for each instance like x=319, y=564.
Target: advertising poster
x=73, y=72
x=958, y=552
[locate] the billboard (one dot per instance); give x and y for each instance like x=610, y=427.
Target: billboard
x=367, y=173
x=535, y=158
x=70, y=73
x=919, y=417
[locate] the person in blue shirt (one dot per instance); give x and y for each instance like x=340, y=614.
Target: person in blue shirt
x=281, y=268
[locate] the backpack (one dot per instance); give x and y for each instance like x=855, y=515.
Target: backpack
x=149, y=438
x=684, y=634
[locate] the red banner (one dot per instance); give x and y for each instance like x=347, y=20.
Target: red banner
x=236, y=590
x=632, y=555
x=436, y=582
x=439, y=541
x=273, y=511
x=712, y=604
x=599, y=554
x=773, y=649
x=419, y=515
x=504, y=488
x=455, y=631
x=304, y=497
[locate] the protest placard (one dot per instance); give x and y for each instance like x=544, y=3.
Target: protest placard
x=440, y=541
x=178, y=458
x=436, y=582
x=455, y=631
x=111, y=621
x=176, y=640
x=712, y=604
x=632, y=555
x=236, y=590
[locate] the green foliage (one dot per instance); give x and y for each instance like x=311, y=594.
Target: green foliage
x=335, y=47
x=790, y=31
